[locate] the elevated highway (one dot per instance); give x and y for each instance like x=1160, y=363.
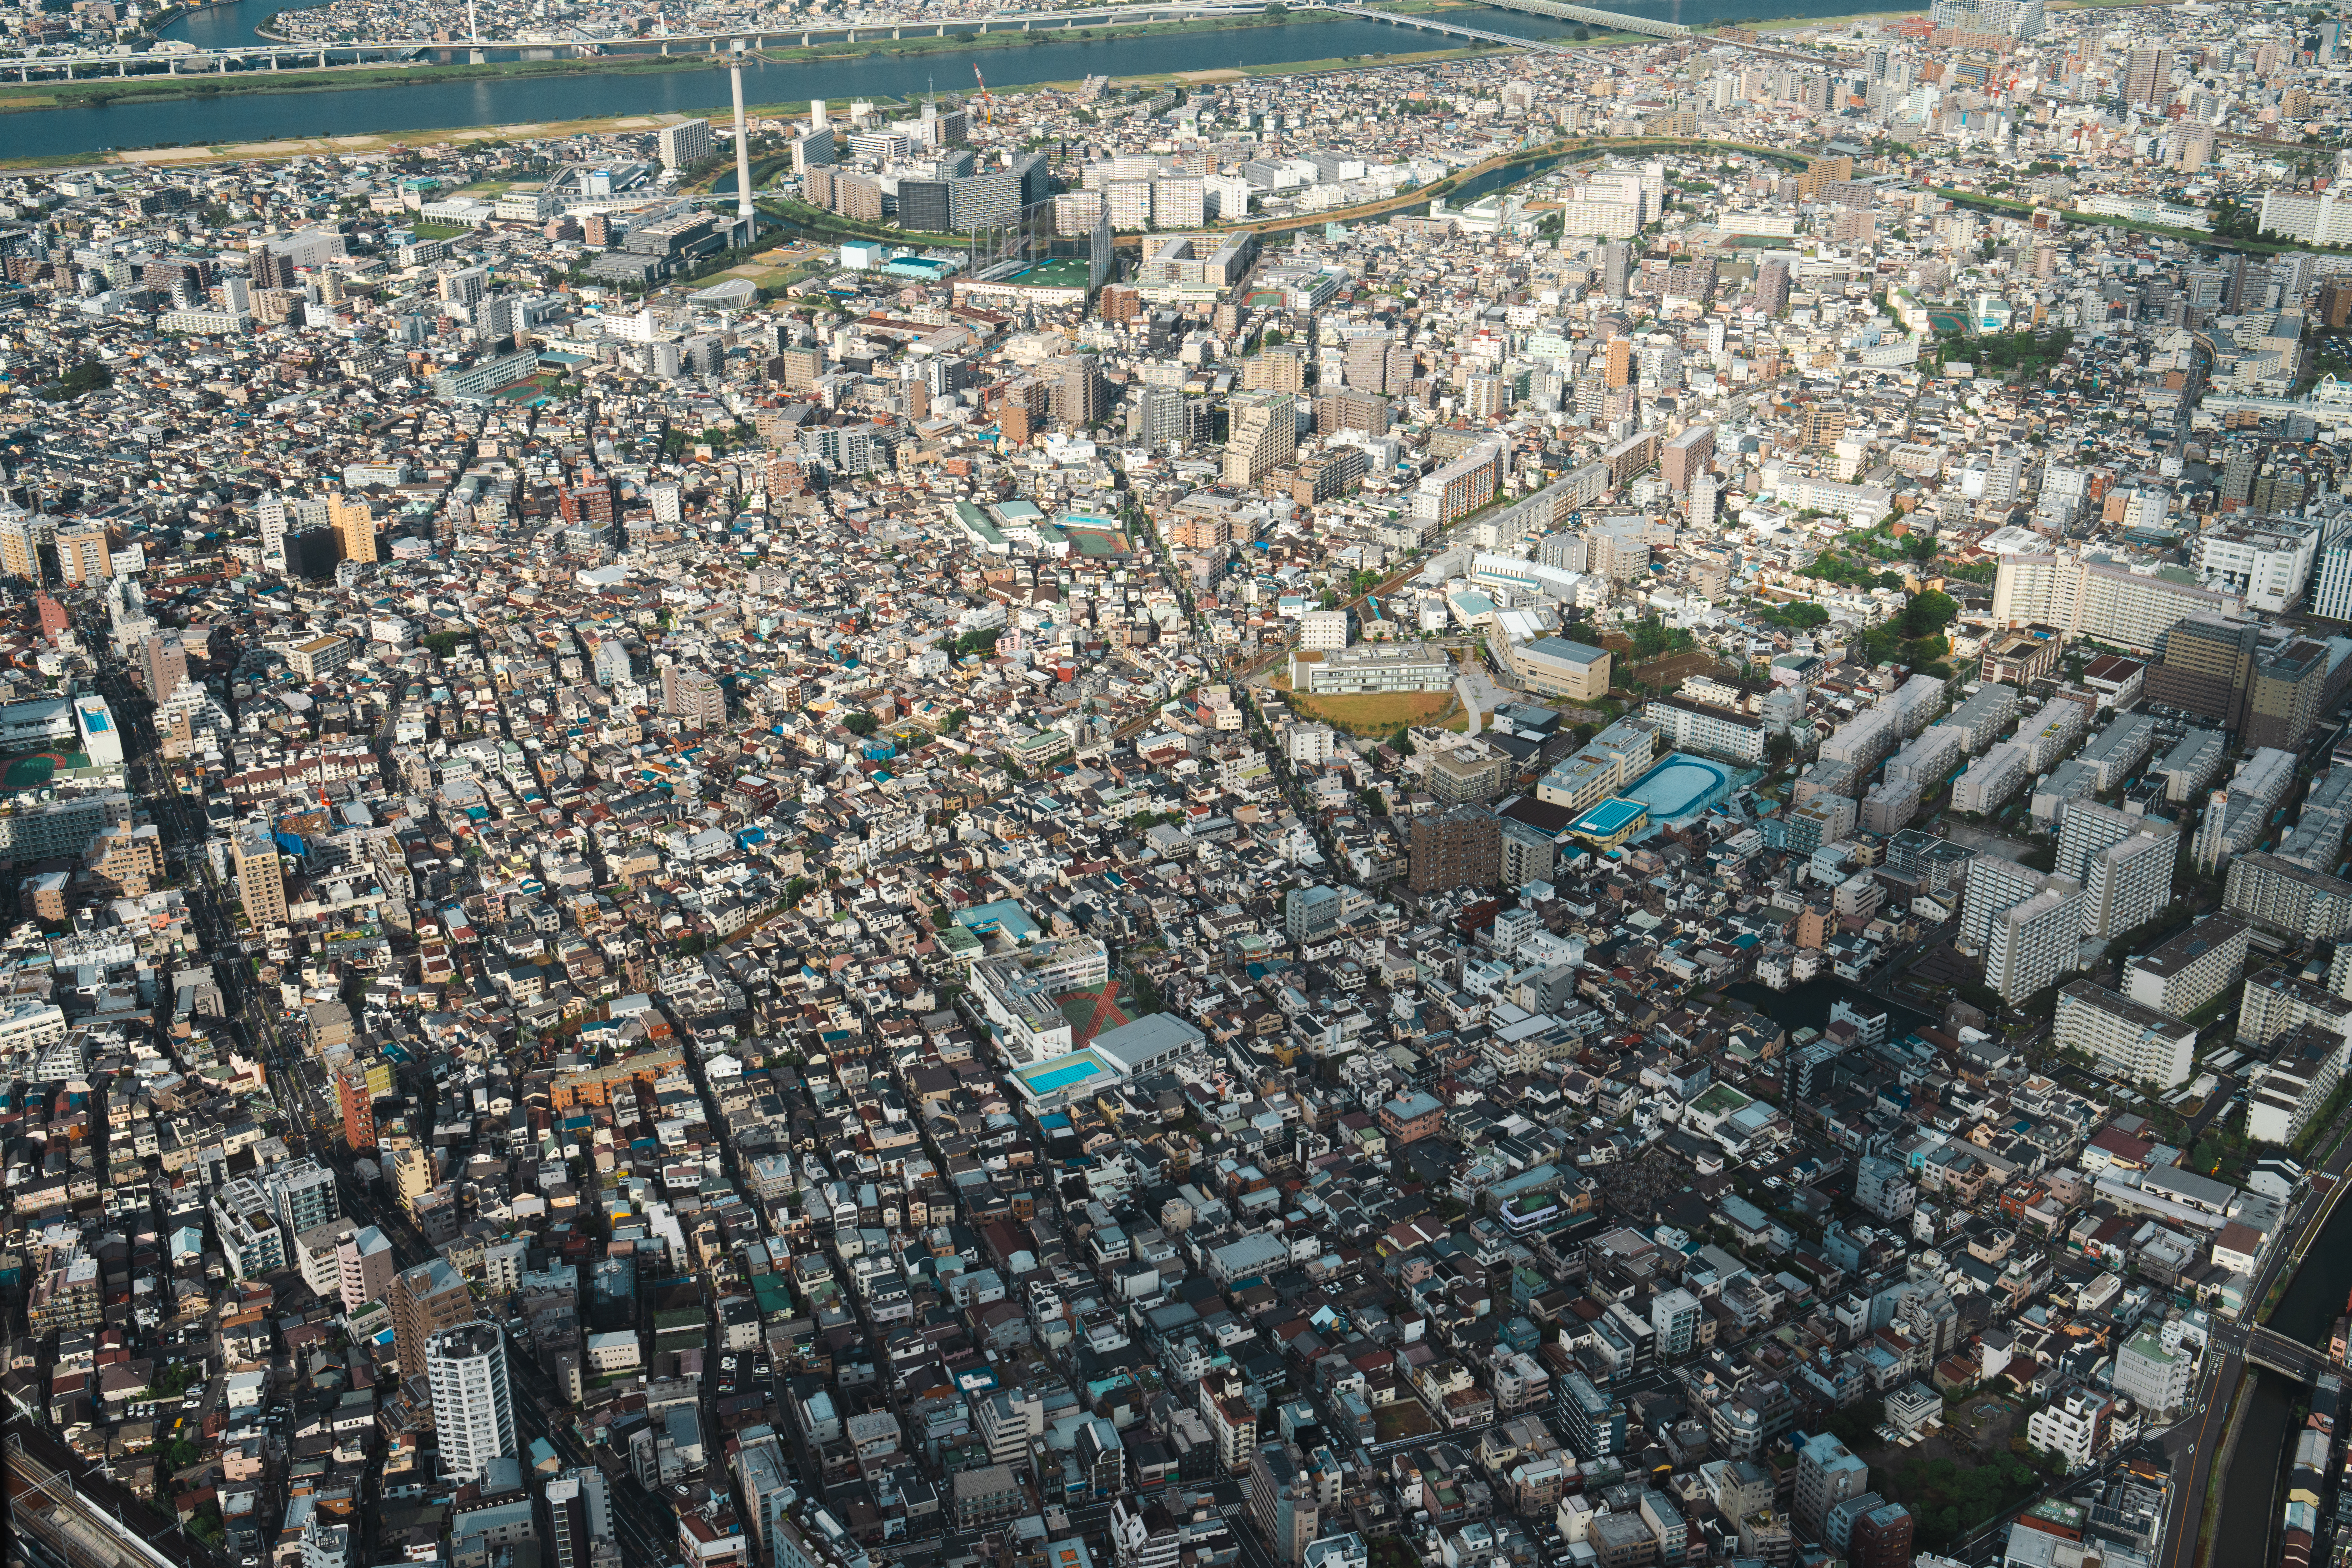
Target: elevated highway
x=23, y=66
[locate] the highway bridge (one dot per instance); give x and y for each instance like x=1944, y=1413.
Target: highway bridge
x=1432, y=25
x=1609, y=21
x=319, y=55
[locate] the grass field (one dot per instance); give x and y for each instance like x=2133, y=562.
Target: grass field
x=1062, y=273
x=1384, y=710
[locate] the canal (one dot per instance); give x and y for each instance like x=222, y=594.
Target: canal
x=2252, y=1497
x=432, y=103
x=1807, y=1005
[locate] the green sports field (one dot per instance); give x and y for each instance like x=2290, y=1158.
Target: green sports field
x=1060, y=273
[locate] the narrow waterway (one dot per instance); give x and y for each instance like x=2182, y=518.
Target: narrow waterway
x=433, y=103
x=1808, y=1005
x=2251, y=1498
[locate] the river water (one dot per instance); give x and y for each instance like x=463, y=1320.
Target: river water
x=431, y=104
x=2251, y=1498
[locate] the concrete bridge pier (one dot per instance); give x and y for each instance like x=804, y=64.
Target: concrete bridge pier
x=482, y=57
x=942, y=32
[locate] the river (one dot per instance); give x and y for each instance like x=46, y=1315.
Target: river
x=1808, y=1005
x=2251, y=1497
x=433, y=104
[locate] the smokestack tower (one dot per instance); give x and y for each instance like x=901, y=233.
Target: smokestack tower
x=742, y=144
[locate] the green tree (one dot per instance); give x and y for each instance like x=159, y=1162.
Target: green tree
x=861, y=724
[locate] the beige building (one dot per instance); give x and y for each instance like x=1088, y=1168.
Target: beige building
x=83, y=556
x=353, y=522
x=260, y=879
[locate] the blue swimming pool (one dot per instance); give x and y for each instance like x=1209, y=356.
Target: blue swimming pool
x=1680, y=788
x=1062, y=1077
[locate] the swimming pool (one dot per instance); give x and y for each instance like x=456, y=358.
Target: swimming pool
x=1680, y=788
x=1061, y=1073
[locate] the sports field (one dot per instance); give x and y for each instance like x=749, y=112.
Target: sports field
x=1381, y=710
x=1094, y=1010
x=35, y=769
x=1060, y=273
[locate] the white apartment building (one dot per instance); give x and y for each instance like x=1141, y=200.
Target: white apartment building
x=2289, y=1090
x=1991, y=779
x=2267, y=563
x=2155, y=1379
x=1993, y=885
x=2127, y=885
x=473, y=1400
x=2034, y=944
x=2129, y=606
x=1130, y=202
x=2193, y=966
x=2133, y=1041
x=2051, y=733
x=2077, y=1425
x=1180, y=202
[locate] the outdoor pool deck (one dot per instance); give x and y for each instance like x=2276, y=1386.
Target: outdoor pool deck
x=1682, y=786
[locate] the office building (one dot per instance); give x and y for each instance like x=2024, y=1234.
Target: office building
x=473, y=1399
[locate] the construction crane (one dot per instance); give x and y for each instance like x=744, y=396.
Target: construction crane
x=986, y=96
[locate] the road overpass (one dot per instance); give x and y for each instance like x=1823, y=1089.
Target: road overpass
x=124, y=62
